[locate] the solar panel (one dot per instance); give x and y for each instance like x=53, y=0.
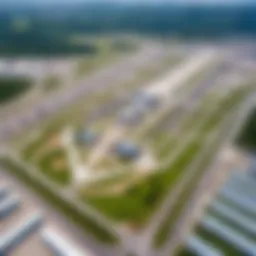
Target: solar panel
x=201, y=248
x=7, y=206
x=235, y=216
x=17, y=235
x=243, y=187
x=58, y=245
x=243, y=202
x=229, y=235
x=238, y=178
x=252, y=168
x=3, y=192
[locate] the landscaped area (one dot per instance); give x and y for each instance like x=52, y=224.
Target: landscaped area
x=82, y=220
x=126, y=195
x=120, y=129
x=123, y=155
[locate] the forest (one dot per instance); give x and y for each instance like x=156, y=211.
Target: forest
x=46, y=30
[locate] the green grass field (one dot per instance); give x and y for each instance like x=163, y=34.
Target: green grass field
x=143, y=198
x=173, y=216
x=140, y=200
x=79, y=113
x=217, y=117
x=30, y=150
x=55, y=167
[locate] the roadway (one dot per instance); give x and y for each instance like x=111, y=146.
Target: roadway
x=102, y=80
x=56, y=219
x=162, y=88
x=142, y=242
x=189, y=102
x=199, y=198
x=18, y=121
x=185, y=106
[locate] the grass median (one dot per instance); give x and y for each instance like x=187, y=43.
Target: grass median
x=173, y=216
x=218, y=116
x=55, y=167
x=85, y=222
x=138, y=202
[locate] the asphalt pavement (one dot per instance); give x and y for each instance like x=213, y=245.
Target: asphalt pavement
x=56, y=219
x=101, y=80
